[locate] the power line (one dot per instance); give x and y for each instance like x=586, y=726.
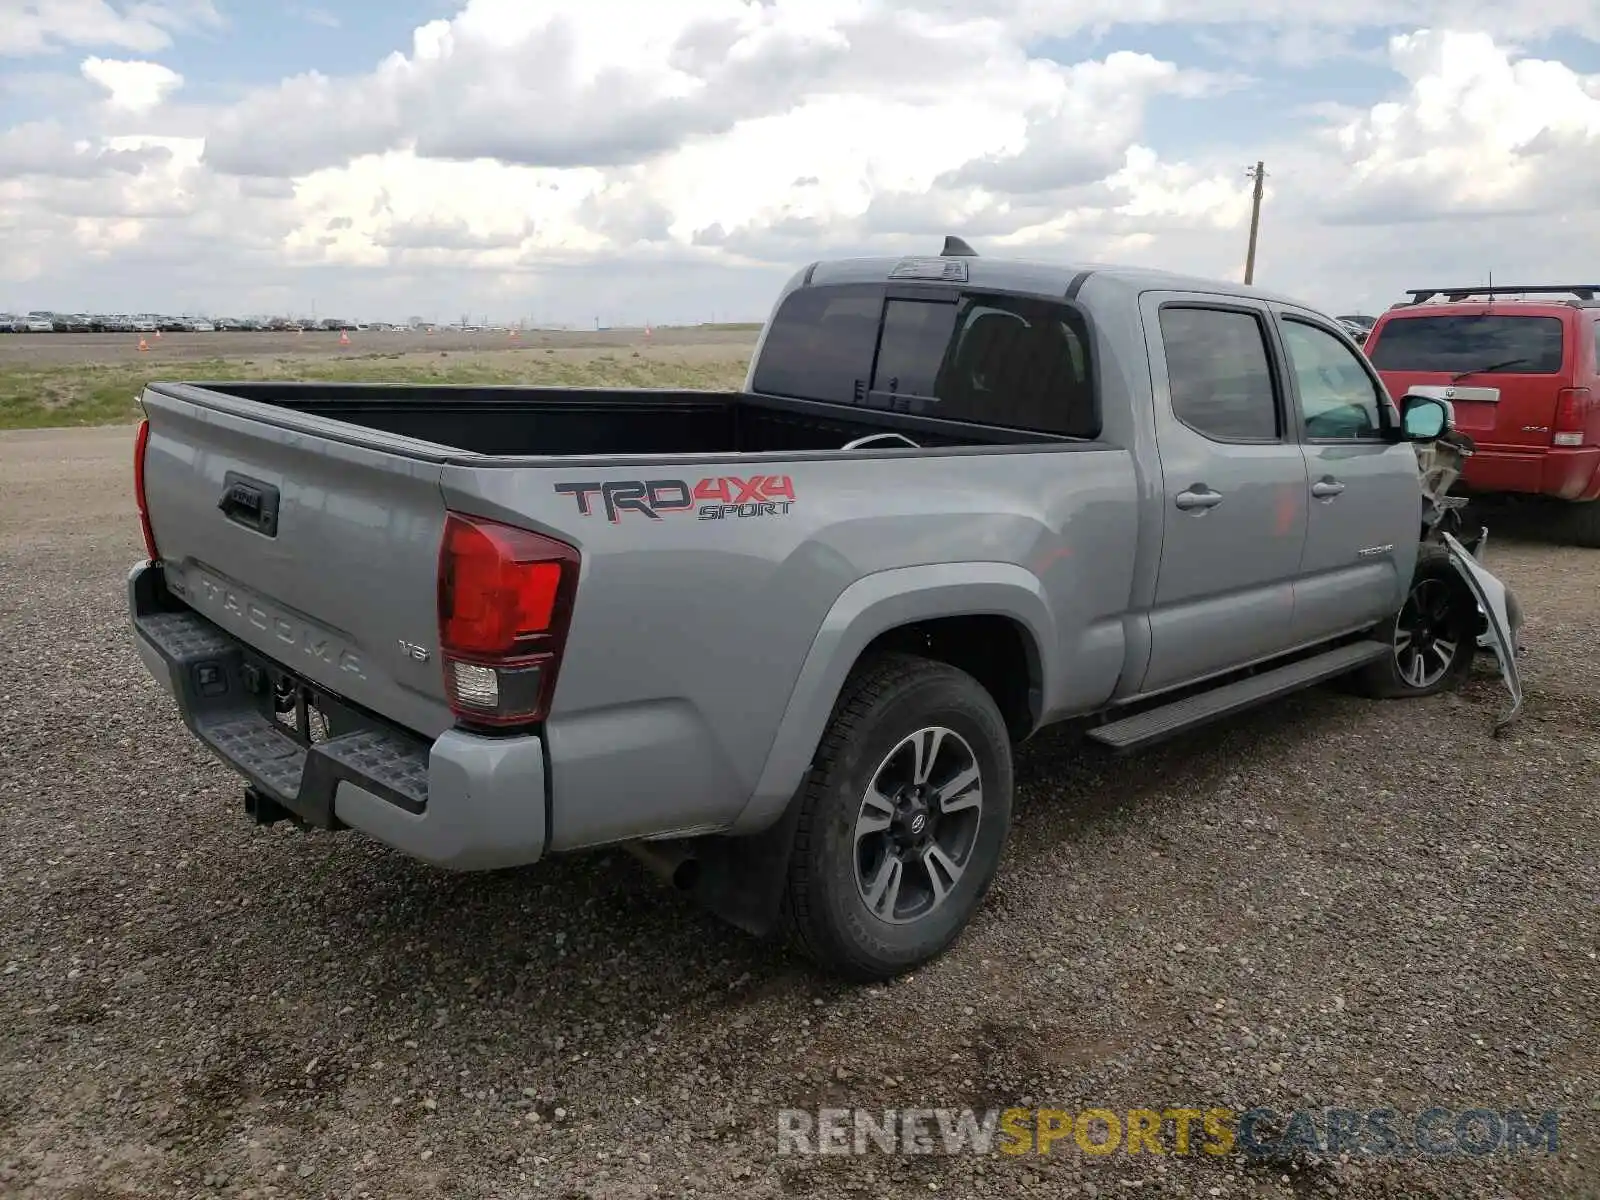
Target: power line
x=1259, y=174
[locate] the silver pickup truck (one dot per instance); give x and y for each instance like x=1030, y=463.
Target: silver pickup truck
x=780, y=643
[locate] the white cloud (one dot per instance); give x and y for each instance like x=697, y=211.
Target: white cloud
x=1478, y=133
x=43, y=148
x=1484, y=161
x=1499, y=18
x=560, y=157
x=39, y=26
x=598, y=83
x=132, y=85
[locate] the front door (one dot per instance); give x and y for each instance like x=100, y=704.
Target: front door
x=1364, y=486
x=1234, y=489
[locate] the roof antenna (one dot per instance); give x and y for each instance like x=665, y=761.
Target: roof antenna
x=954, y=247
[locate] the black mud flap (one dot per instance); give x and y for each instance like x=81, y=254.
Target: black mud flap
x=742, y=879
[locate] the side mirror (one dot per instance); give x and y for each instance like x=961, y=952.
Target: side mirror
x=1425, y=418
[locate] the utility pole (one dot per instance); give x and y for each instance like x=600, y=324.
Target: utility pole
x=1259, y=174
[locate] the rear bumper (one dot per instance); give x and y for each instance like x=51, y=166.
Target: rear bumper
x=462, y=802
x=1566, y=474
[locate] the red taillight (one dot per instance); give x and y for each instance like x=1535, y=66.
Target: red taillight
x=141, y=443
x=505, y=599
x=1573, y=408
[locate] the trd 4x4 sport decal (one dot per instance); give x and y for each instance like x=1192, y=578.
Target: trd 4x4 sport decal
x=717, y=498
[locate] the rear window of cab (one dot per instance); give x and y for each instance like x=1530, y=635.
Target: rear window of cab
x=1487, y=344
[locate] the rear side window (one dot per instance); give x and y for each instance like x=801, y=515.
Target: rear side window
x=1484, y=344
x=820, y=343
x=1219, y=374
x=1010, y=361
x=1017, y=362
x=915, y=335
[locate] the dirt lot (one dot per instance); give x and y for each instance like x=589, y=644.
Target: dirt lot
x=1332, y=903
x=35, y=350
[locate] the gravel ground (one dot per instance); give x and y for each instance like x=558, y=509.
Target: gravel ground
x=1334, y=902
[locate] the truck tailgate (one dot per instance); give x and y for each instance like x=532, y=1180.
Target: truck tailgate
x=319, y=552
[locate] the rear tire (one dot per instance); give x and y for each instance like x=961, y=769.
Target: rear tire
x=1433, y=637
x=1579, y=524
x=895, y=848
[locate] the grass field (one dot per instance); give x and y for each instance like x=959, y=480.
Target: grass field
x=62, y=380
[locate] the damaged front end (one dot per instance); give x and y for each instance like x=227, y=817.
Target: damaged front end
x=1440, y=462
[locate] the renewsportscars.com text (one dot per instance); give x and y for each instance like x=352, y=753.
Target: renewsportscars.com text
x=1259, y=1132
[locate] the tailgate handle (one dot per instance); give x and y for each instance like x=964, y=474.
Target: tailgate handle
x=250, y=503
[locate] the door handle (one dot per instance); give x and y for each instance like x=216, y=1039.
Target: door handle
x=1198, y=497
x=1326, y=489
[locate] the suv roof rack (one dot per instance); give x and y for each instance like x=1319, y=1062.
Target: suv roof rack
x=1584, y=292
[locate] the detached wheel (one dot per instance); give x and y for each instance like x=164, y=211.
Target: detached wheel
x=1432, y=638
x=903, y=819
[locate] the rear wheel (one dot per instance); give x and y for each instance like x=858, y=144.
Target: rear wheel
x=903, y=819
x=1579, y=523
x=1432, y=638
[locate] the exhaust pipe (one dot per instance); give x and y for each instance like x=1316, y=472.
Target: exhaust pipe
x=669, y=862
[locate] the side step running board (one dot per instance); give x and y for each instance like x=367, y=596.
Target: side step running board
x=1157, y=724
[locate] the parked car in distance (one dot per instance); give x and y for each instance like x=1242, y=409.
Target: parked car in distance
x=778, y=643
x=1356, y=327
x=1521, y=365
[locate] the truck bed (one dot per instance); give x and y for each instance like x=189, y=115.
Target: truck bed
x=306, y=518
x=554, y=421
x=729, y=561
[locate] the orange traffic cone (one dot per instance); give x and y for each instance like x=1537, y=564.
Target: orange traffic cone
x=144, y=346
x=158, y=333
x=344, y=338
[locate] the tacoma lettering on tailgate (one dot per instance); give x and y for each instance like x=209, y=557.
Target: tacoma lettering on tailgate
x=230, y=607
x=716, y=498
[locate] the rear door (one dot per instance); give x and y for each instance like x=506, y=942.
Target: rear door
x=320, y=552
x=1234, y=489
x=1363, y=484
x=1507, y=367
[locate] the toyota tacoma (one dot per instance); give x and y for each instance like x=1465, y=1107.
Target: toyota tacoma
x=780, y=642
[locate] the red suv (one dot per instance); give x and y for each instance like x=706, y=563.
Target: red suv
x=1522, y=367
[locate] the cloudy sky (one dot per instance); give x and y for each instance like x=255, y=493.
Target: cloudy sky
x=674, y=160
